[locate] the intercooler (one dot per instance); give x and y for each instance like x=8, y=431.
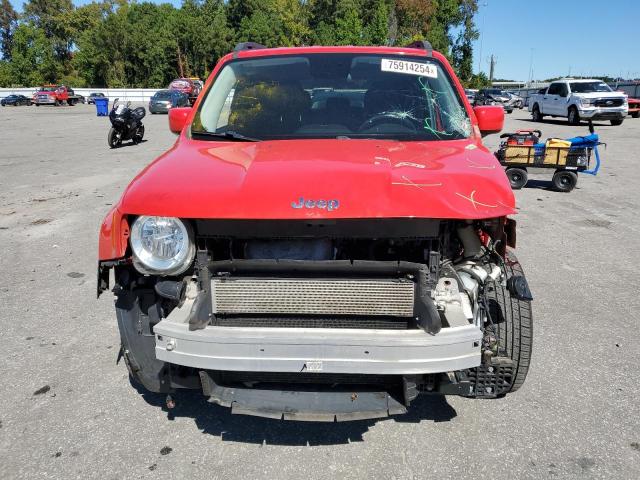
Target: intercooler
x=313, y=296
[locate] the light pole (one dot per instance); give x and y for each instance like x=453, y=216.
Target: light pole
x=484, y=5
x=530, y=68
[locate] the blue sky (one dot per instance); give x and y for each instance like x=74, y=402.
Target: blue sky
x=556, y=37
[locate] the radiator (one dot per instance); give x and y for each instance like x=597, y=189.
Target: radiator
x=312, y=296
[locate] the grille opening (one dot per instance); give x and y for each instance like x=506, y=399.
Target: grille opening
x=315, y=321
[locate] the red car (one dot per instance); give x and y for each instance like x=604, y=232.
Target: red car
x=188, y=86
x=634, y=107
x=327, y=239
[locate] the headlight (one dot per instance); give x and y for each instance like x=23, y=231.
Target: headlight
x=585, y=102
x=162, y=245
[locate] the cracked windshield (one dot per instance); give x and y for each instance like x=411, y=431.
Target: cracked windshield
x=332, y=96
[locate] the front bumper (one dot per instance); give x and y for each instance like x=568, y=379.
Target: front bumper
x=595, y=113
x=158, y=108
x=320, y=350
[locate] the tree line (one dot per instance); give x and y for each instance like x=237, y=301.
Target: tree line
x=125, y=43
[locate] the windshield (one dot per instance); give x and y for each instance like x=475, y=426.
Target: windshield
x=333, y=95
x=586, y=87
x=164, y=95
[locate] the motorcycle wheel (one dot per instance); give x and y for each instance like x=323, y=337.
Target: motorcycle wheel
x=137, y=138
x=115, y=140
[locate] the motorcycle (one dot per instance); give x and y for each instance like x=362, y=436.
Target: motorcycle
x=126, y=124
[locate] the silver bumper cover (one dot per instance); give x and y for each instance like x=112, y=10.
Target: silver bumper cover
x=321, y=350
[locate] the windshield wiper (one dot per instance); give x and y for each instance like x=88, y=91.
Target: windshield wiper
x=229, y=135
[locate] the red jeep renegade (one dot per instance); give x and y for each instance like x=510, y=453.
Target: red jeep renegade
x=327, y=239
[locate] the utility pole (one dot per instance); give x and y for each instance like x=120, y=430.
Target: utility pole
x=492, y=66
x=484, y=5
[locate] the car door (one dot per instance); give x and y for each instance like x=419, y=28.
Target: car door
x=563, y=97
x=551, y=100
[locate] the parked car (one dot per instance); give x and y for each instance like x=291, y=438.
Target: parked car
x=322, y=260
x=494, y=96
x=634, y=107
x=92, y=97
x=471, y=95
x=15, y=100
x=163, y=100
x=186, y=86
x=515, y=100
x=585, y=99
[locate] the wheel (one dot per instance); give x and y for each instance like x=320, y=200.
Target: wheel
x=615, y=123
x=517, y=177
x=138, y=136
x=574, y=118
x=536, y=116
x=635, y=115
x=115, y=140
x=511, y=326
x=564, y=180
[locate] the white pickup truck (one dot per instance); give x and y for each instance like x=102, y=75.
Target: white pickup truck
x=579, y=100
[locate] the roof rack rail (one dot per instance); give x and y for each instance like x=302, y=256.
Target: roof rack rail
x=247, y=46
x=421, y=45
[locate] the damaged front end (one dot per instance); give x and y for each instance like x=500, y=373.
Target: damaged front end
x=326, y=320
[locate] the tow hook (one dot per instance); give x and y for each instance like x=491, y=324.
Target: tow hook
x=170, y=402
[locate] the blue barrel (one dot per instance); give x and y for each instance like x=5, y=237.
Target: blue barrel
x=102, y=106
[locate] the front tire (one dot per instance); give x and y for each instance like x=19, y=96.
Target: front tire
x=564, y=180
x=536, y=115
x=574, y=117
x=635, y=115
x=114, y=139
x=512, y=321
x=517, y=177
x=615, y=123
x=139, y=135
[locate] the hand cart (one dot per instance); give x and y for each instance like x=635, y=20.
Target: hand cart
x=522, y=151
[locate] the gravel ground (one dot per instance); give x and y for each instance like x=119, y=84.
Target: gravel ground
x=68, y=411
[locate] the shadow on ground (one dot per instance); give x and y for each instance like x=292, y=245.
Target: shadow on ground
x=562, y=121
x=215, y=420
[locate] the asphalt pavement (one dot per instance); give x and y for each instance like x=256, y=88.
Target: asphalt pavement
x=68, y=411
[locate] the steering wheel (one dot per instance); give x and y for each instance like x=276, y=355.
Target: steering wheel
x=387, y=118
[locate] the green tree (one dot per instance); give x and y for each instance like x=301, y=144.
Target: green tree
x=8, y=22
x=349, y=29
x=32, y=59
x=462, y=51
x=53, y=17
x=377, y=25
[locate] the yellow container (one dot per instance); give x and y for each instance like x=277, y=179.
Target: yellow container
x=556, y=151
x=517, y=154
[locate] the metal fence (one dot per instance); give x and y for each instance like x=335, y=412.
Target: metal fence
x=131, y=94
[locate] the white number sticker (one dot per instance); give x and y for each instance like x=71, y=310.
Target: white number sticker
x=313, y=366
x=410, y=68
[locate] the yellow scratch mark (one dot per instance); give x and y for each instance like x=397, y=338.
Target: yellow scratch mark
x=504, y=205
x=474, y=202
x=473, y=164
x=409, y=183
x=409, y=164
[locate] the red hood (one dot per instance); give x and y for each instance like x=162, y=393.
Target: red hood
x=369, y=179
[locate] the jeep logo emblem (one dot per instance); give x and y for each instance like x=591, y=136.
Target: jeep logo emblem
x=329, y=205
